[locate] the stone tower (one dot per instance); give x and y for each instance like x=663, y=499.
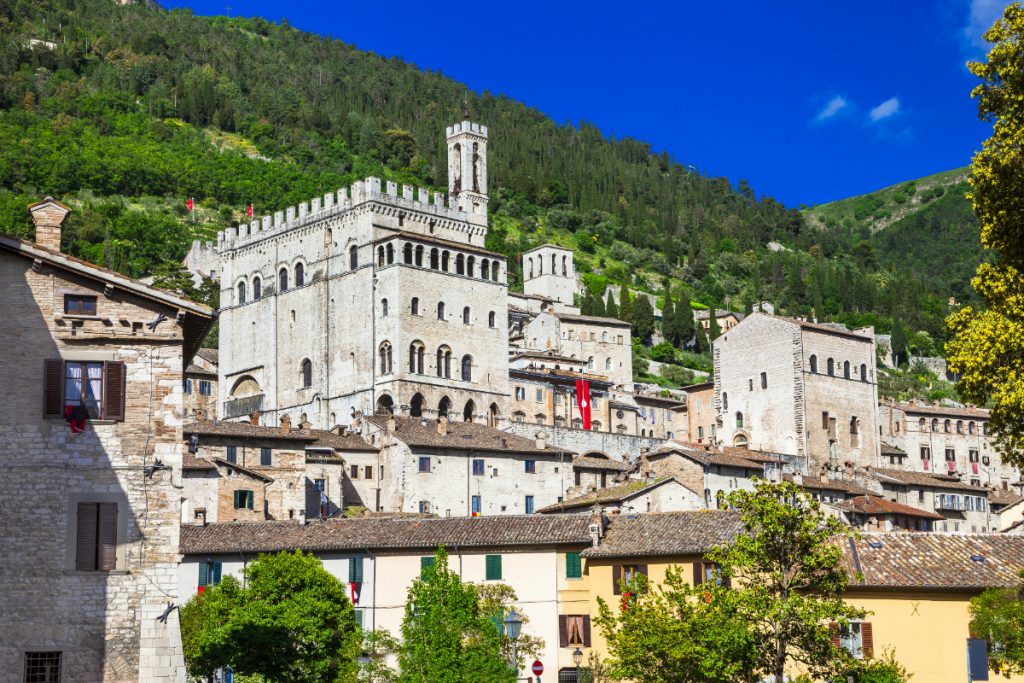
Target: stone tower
x=467, y=169
x=548, y=271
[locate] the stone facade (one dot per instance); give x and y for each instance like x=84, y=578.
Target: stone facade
x=201, y=385
x=701, y=417
x=90, y=518
x=797, y=388
x=548, y=271
x=661, y=417
x=603, y=344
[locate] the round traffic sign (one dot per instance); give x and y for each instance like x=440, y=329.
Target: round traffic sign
x=537, y=667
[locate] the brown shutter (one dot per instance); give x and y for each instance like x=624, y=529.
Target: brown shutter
x=833, y=631
x=563, y=635
x=53, y=388
x=85, y=549
x=113, y=390
x=616, y=578
x=106, y=558
x=586, y=631
x=698, y=573
x=867, y=640
x=641, y=569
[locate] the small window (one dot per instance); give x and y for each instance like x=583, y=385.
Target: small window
x=320, y=485
x=467, y=368
x=426, y=562
x=831, y=367
x=384, y=308
x=574, y=631
x=307, y=374
x=424, y=507
x=244, y=499
x=529, y=505
x=465, y=315
x=42, y=667
x=188, y=386
x=414, y=307
x=209, y=573
x=282, y=280
x=368, y=472
x=232, y=453
x=493, y=568
x=725, y=401
x=814, y=364
x=355, y=570
x=846, y=369
x=440, y=310
x=266, y=459
x=424, y=463
x=205, y=387
x=79, y=304
x=478, y=467
x=257, y=288
x=353, y=257
x=353, y=471
x=573, y=566
x=490, y=319
x=764, y=380
x=475, y=505
x=540, y=395
x=863, y=372
x=739, y=420
x=530, y=466
x=96, y=536
x=241, y=293
x=300, y=275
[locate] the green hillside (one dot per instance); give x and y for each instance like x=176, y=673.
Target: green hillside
x=123, y=112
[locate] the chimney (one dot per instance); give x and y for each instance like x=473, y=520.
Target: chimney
x=390, y=424
x=302, y=517
x=254, y=418
x=597, y=522
x=305, y=425
x=542, y=440
x=798, y=479
x=286, y=425
x=442, y=425
x=48, y=216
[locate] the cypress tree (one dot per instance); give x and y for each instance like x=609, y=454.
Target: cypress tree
x=668, y=319
x=612, y=311
x=626, y=309
x=643, y=318
x=684, y=323
x=714, y=330
x=597, y=306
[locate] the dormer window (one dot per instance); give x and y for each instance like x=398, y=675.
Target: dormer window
x=79, y=304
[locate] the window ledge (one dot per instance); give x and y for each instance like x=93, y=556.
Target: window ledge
x=75, y=316
x=96, y=573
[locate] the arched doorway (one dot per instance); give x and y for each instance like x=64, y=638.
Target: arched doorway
x=467, y=412
x=385, y=405
x=416, y=406
x=444, y=407
x=493, y=415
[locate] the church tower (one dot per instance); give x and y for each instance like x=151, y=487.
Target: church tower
x=467, y=169
x=548, y=271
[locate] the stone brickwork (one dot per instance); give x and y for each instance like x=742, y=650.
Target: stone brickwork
x=104, y=623
x=619, y=447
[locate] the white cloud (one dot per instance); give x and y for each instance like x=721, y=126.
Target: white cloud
x=886, y=109
x=982, y=15
x=834, y=106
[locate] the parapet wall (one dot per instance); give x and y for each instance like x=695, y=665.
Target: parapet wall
x=466, y=127
x=334, y=203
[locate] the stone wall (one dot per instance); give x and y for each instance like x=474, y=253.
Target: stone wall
x=622, y=447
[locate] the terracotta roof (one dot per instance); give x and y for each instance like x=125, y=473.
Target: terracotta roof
x=712, y=457
x=698, y=387
x=705, y=314
x=667, y=533
x=918, y=409
x=243, y=430
x=933, y=561
x=877, y=505
x=816, y=483
x=888, y=449
x=1004, y=498
x=191, y=462
x=243, y=470
x=386, y=532
x=610, y=494
x=670, y=400
x=924, y=479
x=743, y=457
x=341, y=442
x=591, y=463
x=209, y=355
x=589, y=319
x=462, y=436
x=193, y=369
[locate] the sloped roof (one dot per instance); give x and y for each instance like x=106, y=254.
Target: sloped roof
x=244, y=470
x=925, y=479
x=610, y=494
x=191, y=462
x=386, y=533
x=589, y=319
x=705, y=314
x=877, y=505
x=667, y=533
x=339, y=442
x=698, y=454
x=209, y=355
x=818, y=484
x=1004, y=498
x=194, y=369
x=889, y=449
x=243, y=430
x=933, y=561
x=919, y=409
x=592, y=463
x=462, y=436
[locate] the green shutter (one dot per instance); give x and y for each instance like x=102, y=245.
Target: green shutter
x=355, y=570
x=426, y=562
x=250, y=497
x=203, y=574
x=216, y=573
x=573, y=566
x=493, y=567
x=359, y=618
x=237, y=499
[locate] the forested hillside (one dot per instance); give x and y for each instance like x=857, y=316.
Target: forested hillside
x=125, y=111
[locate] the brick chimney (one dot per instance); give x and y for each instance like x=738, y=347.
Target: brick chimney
x=286, y=425
x=48, y=215
x=254, y=418
x=442, y=425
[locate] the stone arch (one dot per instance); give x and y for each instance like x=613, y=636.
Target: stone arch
x=601, y=455
x=493, y=415
x=419, y=254
x=444, y=361
x=300, y=274
x=385, y=405
x=380, y=257
x=391, y=253
x=416, y=351
x=435, y=261
x=445, y=260
x=471, y=266
x=385, y=357
x=460, y=265
x=407, y=253
x=444, y=406
x=353, y=257
x=246, y=385
x=468, y=411
x=416, y=405
x=257, y=288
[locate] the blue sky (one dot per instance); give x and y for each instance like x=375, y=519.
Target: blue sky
x=809, y=101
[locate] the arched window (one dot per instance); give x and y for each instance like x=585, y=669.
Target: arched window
x=467, y=368
x=444, y=362
x=440, y=310
x=407, y=253
x=970, y=427
x=530, y=263
x=554, y=266
x=445, y=259
x=494, y=271
x=383, y=308
x=540, y=265
x=257, y=288
x=241, y=293
x=946, y=426
x=485, y=269
x=435, y=262
x=959, y=426
x=935, y=424
x=490, y=319
x=300, y=275
x=460, y=265
x=863, y=372
x=739, y=420
x=725, y=401
x=590, y=363
x=384, y=354
x=814, y=364
x=468, y=411
x=465, y=315
x=608, y=363
x=565, y=269
x=831, y=367
x=444, y=406
x=282, y=280
x=419, y=254
x=380, y=257
x=470, y=266
x=922, y=425
x=328, y=239
x=414, y=306
x=416, y=357
x=353, y=257
x=416, y=406
x=391, y=253
x=307, y=374
x=493, y=415
x=846, y=369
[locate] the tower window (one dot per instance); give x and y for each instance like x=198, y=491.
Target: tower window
x=282, y=280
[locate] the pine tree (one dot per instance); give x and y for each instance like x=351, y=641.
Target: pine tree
x=612, y=311
x=643, y=318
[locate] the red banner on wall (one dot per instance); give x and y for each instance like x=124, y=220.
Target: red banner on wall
x=583, y=401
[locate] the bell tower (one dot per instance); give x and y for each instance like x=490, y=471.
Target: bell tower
x=467, y=169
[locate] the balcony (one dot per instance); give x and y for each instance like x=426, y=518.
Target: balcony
x=242, y=406
x=954, y=503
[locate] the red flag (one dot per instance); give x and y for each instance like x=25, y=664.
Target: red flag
x=583, y=401
x=248, y=210
x=189, y=204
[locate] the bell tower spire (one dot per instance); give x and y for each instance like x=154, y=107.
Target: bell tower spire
x=467, y=169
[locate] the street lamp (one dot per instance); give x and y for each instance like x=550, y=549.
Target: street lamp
x=577, y=658
x=513, y=625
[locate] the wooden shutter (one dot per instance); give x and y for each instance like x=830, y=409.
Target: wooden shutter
x=586, y=631
x=573, y=566
x=563, y=631
x=236, y=499
x=85, y=549
x=53, y=388
x=107, y=556
x=493, y=567
x=113, y=390
x=867, y=640
x=250, y=499
x=355, y=570
x=833, y=630
x=216, y=572
x=204, y=573
x=698, y=574
x=616, y=578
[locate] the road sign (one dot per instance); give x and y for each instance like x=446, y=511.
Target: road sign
x=537, y=667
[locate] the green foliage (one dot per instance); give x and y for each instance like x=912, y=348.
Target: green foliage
x=498, y=600
x=997, y=615
x=290, y=622
x=377, y=646
x=884, y=669
x=446, y=635
x=643, y=319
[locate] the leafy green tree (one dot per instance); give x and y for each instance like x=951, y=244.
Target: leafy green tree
x=789, y=578
x=899, y=343
x=626, y=305
x=290, y=622
x=668, y=314
x=683, y=328
x=446, y=635
x=643, y=318
x=497, y=600
x=884, y=669
x=997, y=615
x=988, y=348
x=377, y=645
x=714, y=330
